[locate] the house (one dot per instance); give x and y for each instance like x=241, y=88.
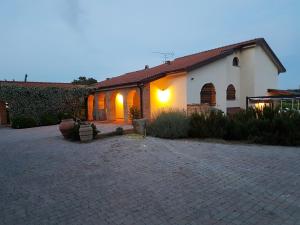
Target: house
x=221, y=78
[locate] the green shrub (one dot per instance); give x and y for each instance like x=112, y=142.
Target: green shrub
x=245, y=115
x=235, y=130
x=212, y=125
x=169, y=124
x=198, y=126
x=34, y=102
x=23, y=122
x=119, y=131
x=216, y=124
x=268, y=126
x=49, y=119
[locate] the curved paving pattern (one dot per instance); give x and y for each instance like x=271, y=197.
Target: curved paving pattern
x=129, y=180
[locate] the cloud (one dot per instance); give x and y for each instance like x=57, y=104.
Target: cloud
x=72, y=13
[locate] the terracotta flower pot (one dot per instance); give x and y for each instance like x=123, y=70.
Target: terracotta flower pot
x=66, y=127
x=85, y=133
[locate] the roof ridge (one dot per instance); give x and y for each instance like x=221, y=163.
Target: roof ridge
x=188, y=63
x=213, y=49
x=225, y=46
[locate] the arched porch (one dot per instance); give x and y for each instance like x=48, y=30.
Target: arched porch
x=113, y=105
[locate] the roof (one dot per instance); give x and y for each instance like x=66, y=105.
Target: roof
x=283, y=92
x=40, y=84
x=187, y=63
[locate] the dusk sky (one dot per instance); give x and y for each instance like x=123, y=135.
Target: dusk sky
x=59, y=40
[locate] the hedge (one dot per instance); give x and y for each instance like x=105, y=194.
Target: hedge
x=269, y=126
x=169, y=124
x=42, y=104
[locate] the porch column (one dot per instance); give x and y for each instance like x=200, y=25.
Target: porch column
x=109, y=105
x=146, y=108
x=96, y=107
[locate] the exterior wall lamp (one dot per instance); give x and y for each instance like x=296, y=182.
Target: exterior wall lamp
x=163, y=95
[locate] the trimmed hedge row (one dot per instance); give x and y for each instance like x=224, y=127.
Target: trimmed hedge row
x=171, y=124
x=265, y=127
x=39, y=106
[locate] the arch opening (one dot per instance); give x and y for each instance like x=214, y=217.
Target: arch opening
x=236, y=62
x=133, y=103
x=132, y=99
x=119, y=106
x=208, y=94
x=230, y=92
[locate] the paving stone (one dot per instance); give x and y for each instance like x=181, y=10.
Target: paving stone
x=129, y=180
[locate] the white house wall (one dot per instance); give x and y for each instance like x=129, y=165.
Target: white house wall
x=266, y=73
x=247, y=67
x=177, y=88
x=233, y=77
x=258, y=74
x=215, y=73
x=255, y=74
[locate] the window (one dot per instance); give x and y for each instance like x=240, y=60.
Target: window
x=208, y=94
x=230, y=93
x=236, y=61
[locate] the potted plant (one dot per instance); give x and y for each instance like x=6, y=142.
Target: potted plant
x=139, y=124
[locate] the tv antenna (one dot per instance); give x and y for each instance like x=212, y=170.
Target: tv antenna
x=166, y=55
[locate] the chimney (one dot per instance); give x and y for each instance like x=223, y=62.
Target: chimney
x=107, y=78
x=25, y=80
x=146, y=67
x=168, y=62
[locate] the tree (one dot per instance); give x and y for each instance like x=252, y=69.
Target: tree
x=84, y=81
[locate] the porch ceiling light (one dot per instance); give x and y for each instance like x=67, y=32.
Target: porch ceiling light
x=163, y=95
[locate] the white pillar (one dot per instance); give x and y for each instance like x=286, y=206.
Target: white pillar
x=109, y=105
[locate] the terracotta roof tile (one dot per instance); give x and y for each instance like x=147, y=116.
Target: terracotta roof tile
x=185, y=63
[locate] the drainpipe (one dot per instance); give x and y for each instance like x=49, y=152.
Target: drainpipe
x=141, y=99
x=247, y=102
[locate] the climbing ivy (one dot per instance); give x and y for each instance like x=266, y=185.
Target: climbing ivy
x=34, y=102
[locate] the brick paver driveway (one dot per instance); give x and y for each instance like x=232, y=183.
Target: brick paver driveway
x=128, y=180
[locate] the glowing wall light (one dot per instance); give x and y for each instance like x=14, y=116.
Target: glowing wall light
x=163, y=95
x=120, y=98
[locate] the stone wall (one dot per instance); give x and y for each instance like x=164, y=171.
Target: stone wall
x=197, y=108
x=233, y=110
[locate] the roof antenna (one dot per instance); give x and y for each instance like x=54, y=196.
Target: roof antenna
x=25, y=80
x=166, y=55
